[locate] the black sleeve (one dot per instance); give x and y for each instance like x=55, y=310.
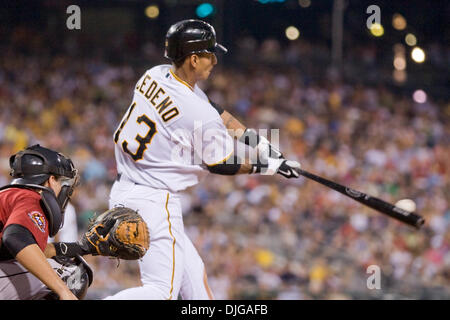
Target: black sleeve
x=219, y=109
x=227, y=169
x=16, y=237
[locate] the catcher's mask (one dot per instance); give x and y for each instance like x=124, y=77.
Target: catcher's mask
x=32, y=167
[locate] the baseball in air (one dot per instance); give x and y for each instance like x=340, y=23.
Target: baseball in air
x=406, y=204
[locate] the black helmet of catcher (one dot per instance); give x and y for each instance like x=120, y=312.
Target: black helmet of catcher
x=36, y=164
x=32, y=167
x=191, y=36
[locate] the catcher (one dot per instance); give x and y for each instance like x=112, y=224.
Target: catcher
x=32, y=209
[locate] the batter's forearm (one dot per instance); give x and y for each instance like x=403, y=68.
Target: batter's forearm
x=238, y=131
x=231, y=168
x=234, y=126
x=245, y=168
x=249, y=136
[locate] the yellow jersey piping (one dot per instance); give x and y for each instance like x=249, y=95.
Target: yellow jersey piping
x=219, y=162
x=181, y=80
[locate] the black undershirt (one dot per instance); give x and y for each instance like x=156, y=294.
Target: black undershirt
x=15, y=237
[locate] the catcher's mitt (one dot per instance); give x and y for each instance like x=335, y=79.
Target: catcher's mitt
x=119, y=232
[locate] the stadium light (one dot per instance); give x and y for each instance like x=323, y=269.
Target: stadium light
x=270, y=1
x=304, y=3
x=418, y=55
x=377, y=30
x=399, y=73
x=292, y=33
x=419, y=96
x=399, y=63
x=399, y=76
x=411, y=40
x=205, y=9
x=398, y=22
x=152, y=11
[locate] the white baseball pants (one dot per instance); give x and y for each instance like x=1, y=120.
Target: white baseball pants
x=17, y=283
x=172, y=265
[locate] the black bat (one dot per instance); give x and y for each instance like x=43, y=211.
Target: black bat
x=407, y=217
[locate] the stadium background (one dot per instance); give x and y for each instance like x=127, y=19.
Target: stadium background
x=360, y=111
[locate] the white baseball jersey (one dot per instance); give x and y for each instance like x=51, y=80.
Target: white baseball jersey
x=169, y=133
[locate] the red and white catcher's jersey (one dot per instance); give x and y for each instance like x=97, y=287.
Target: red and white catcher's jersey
x=169, y=133
x=21, y=206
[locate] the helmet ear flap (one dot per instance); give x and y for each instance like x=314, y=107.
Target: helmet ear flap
x=15, y=163
x=11, y=163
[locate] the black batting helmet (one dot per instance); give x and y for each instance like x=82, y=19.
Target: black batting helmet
x=191, y=36
x=36, y=164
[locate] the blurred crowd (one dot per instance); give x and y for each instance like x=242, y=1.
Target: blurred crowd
x=260, y=237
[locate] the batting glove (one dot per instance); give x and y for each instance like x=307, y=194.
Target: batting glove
x=262, y=145
x=266, y=150
x=286, y=168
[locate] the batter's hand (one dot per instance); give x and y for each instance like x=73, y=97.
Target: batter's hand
x=287, y=168
x=266, y=150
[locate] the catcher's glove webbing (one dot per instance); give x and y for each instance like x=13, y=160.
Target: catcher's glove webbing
x=120, y=232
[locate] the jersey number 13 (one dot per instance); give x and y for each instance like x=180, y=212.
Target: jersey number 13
x=143, y=141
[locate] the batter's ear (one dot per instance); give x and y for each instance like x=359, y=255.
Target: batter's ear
x=194, y=59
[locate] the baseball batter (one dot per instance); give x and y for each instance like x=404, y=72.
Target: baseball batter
x=169, y=138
